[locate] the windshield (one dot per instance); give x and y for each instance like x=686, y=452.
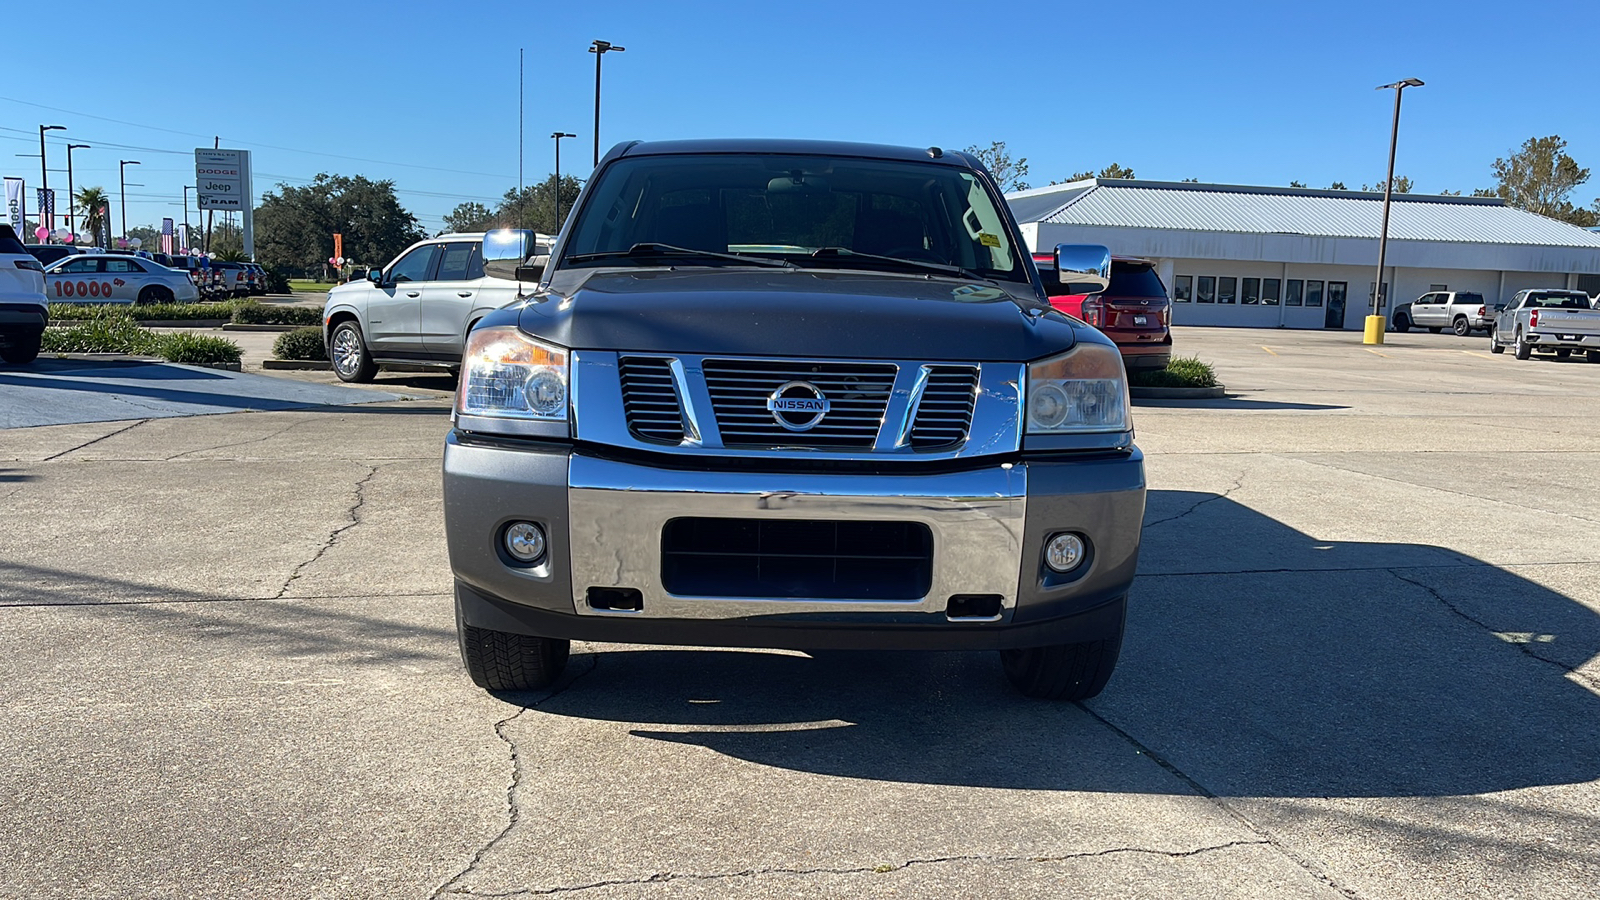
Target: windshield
x=792, y=207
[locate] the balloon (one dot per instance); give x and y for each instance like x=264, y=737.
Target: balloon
x=72, y=238
x=62, y=234
x=134, y=243
x=41, y=232
x=333, y=261
x=339, y=261
x=122, y=242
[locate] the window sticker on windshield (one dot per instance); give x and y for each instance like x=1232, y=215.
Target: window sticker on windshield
x=988, y=240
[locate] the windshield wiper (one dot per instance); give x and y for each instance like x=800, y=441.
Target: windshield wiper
x=651, y=249
x=942, y=268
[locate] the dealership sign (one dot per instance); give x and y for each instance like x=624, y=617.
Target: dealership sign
x=14, y=197
x=222, y=179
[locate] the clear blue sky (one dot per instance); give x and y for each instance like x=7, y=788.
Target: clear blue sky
x=1251, y=93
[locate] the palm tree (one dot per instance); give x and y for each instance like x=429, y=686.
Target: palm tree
x=94, y=202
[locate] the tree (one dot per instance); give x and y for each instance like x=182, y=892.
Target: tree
x=1115, y=170
x=1337, y=186
x=1190, y=181
x=295, y=225
x=1449, y=193
x=1008, y=173
x=471, y=216
x=93, y=201
x=1402, y=185
x=1539, y=177
x=534, y=209
x=1297, y=184
x=149, y=237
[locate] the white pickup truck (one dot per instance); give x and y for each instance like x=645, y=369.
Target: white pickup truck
x=1549, y=321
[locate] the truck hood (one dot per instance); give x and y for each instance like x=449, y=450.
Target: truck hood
x=786, y=312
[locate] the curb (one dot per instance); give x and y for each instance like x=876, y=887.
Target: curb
x=1156, y=393
x=154, y=323
x=143, y=360
x=314, y=365
x=239, y=326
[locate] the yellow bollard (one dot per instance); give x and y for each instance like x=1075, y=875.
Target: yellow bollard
x=1375, y=329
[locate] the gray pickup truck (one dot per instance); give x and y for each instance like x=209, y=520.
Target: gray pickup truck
x=1463, y=312
x=796, y=395
x=1548, y=321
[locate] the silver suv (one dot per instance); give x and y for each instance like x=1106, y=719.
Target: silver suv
x=23, y=311
x=1463, y=312
x=415, y=311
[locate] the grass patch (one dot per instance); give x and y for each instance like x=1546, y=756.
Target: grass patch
x=1182, y=372
x=302, y=343
x=310, y=287
x=249, y=312
x=119, y=334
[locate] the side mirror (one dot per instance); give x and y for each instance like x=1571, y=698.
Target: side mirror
x=505, y=250
x=1084, y=268
x=375, y=276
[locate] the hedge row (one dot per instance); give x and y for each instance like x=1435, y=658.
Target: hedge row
x=119, y=334
x=245, y=312
x=1183, y=372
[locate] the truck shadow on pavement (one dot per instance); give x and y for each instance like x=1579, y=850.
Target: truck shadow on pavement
x=1258, y=662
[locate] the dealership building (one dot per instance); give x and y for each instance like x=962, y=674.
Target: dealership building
x=1298, y=258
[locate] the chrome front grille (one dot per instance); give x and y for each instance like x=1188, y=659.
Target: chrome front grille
x=650, y=399
x=944, y=415
x=857, y=394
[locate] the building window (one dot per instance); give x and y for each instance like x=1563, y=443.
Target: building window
x=1435, y=288
x=1227, y=289
x=1313, y=293
x=1294, y=290
x=1206, y=290
x=1182, y=288
x=1250, y=295
x=1269, y=292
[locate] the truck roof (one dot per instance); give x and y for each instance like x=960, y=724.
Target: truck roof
x=796, y=147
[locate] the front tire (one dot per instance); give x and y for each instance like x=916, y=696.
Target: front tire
x=1594, y=356
x=153, y=294
x=1063, y=671
x=499, y=661
x=1402, y=324
x=1524, y=349
x=1461, y=326
x=25, y=350
x=1494, y=343
x=348, y=354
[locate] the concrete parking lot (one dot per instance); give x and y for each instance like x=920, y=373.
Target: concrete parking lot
x=1363, y=660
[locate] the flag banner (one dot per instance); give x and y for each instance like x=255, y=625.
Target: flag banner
x=14, y=197
x=47, y=208
x=166, y=235
x=183, y=237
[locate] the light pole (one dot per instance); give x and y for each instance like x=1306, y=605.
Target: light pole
x=122, y=180
x=44, y=174
x=599, y=49
x=1376, y=323
x=558, y=136
x=186, y=189
x=72, y=199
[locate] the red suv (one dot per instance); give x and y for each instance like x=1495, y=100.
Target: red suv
x=1134, y=311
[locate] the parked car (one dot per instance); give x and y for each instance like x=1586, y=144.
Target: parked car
x=1463, y=312
x=1134, y=311
x=233, y=280
x=790, y=394
x=49, y=253
x=258, y=278
x=111, y=278
x=1548, y=321
x=24, y=312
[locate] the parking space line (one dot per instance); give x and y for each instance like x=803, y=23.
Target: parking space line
x=1384, y=355
x=1269, y=349
x=1477, y=353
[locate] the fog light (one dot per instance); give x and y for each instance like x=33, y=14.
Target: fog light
x=525, y=542
x=1064, y=552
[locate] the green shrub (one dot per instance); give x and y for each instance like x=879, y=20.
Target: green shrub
x=302, y=343
x=277, y=281
x=166, y=312
x=196, y=349
x=119, y=334
x=1183, y=372
x=249, y=312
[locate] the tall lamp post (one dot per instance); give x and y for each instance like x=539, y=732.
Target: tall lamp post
x=44, y=173
x=599, y=49
x=558, y=136
x=186, y=189
x=1377, y=323
x=122, y=180
x=72, y=198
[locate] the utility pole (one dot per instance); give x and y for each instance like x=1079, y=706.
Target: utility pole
x=122, y=180
x=557, y=177
x=71, y=197
x=44, y=174
x=522, y=218
x=1376, y=323
x=599, y=49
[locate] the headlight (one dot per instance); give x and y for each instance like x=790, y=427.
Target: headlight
x=1084, y=390
x=509, y=375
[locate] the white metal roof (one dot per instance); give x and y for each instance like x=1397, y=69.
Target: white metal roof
x=1238, y=209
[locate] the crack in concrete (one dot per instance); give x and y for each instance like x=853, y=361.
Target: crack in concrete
x=513, y=806
x=333, y=536
x=883, y=869
x=1310, y=866
x=291, y=426
x=1526, y=648
x=97, y=440
x=1237, y=483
